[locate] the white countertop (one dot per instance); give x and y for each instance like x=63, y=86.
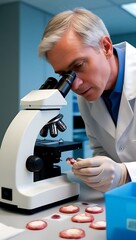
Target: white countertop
x=19, y=220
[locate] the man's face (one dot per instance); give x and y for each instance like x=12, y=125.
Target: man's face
x=92, y=67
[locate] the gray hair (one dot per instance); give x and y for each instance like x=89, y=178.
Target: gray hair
x=88, y=26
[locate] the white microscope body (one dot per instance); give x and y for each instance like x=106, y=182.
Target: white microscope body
x=17, y=188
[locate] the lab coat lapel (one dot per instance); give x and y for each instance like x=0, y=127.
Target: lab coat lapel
x=124, y=117
x=102, y=116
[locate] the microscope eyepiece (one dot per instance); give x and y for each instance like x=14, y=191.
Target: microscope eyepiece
x=65, y=83
x=50, y=83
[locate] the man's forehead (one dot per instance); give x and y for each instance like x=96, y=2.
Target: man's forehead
x=67, y=52
x=68, y=44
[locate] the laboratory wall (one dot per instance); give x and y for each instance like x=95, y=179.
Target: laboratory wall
x=21, y=69
x=130, y=38
x=9, y=64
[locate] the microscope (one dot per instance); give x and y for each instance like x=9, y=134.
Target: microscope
x=30, y=179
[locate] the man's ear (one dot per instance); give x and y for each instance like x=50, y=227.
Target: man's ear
x=106, y=46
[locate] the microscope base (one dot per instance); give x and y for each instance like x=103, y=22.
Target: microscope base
x=14, y=208
x=43, y=195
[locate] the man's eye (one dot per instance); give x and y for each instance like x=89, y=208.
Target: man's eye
x=78, y=67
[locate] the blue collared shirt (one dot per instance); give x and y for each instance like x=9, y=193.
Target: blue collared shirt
x=112, y=97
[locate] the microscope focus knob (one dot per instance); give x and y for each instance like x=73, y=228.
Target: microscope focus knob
x=34, y=163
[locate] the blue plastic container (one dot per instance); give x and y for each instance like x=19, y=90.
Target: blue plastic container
x=120, y=204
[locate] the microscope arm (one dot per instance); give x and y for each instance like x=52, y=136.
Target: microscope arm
x=18, y=145
x=20, y=137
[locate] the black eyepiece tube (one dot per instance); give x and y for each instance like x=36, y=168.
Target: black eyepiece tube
x=65, y=83
x=50, y=83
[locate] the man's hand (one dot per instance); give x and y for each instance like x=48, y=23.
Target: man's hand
x=100, y=173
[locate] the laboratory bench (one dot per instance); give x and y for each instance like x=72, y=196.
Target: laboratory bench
x=51, y=232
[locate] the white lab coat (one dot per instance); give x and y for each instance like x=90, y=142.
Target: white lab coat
x=117, y=143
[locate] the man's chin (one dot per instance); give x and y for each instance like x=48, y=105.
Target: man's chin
x=90, y=99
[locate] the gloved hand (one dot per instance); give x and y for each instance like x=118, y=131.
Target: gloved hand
x=100, y=172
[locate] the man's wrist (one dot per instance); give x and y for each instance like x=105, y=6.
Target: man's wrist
x=124, y=175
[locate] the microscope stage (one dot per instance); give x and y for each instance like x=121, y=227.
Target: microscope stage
x=56, y=146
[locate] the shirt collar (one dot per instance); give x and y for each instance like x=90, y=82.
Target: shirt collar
x=121, y=61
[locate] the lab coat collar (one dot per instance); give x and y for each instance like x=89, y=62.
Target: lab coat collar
x=129, y=87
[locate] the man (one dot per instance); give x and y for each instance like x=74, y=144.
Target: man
x=106, y=87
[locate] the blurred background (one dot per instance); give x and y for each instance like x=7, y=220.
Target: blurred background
x=22, y=24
